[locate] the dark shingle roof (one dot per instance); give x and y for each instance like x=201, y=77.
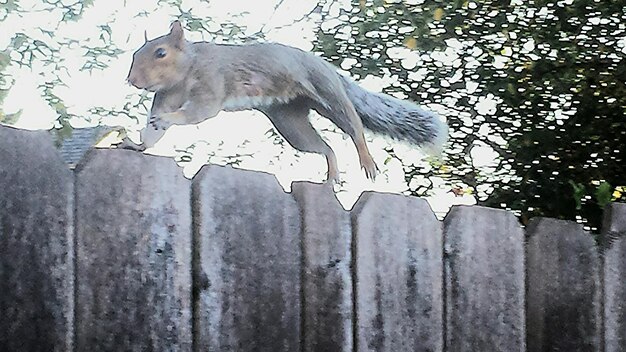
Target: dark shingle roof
x=74, y=147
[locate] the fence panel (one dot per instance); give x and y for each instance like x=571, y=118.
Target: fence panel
x=326, y=281
x=115, y=256
x=615, y=279
x=36, y=244
x=563, y=310
x=247, y=232
x=484, y=261
x=398, y=274
x=133, y=249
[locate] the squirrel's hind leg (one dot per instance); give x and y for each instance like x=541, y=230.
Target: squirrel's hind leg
x=292, y=122
x=345, y=117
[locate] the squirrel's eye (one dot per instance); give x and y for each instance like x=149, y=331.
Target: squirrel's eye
x=160, y=53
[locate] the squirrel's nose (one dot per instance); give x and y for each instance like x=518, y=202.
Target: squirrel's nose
x=132, y=80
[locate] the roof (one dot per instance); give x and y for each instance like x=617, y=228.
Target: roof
x=74, y=147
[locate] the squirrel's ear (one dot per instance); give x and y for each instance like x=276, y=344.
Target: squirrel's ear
x=176, y=34
x=145, y=36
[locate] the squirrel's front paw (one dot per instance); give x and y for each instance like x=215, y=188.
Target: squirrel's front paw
x=130, y=145
x=157, y=122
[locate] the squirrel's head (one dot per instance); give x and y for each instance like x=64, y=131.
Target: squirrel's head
x=161, y=63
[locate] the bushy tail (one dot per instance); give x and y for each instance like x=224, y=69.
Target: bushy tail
x=397, y=118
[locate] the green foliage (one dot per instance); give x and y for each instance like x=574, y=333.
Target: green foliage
x=4, y=88
x=604, y=193
x=578, y=194
x=71, y=11
x=8, y=6
x=556, y=70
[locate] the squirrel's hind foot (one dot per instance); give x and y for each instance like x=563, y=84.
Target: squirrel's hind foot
x=333, y=176
x=369, y=166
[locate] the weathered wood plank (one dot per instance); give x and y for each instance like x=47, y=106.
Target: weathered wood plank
x=133, y=248
x=563, y=309
x=398, y=274
x=247, y=231
x=326, y=281
x=484, y=264
x=615, y=279
x=36, y=244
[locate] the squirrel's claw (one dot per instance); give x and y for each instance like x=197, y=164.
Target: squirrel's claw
x=370, y=168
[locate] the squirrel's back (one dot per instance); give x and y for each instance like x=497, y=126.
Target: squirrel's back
x=293, y=70
x=262, y=72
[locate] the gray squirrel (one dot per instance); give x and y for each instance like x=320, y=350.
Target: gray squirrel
x=195, y=81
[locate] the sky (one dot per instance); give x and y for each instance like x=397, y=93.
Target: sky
x=223, y=136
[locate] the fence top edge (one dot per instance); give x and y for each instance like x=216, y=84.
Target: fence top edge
x=537, y=223
x=614, y=221
x=130, y=156
x=457, y=211
x=301, y=190
x=373, y=199
x=610, y=225
x=568, y=230
x=265, y=179
x=45, y=146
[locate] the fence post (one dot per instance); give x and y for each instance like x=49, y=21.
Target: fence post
x=247, y=235
x=563, y=287
x=398, y=272
x=615, y=278
x=326, y=277
x=36, y=244
x=484, y=261
x=133, y=249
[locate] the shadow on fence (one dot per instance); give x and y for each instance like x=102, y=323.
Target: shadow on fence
x=125, y=254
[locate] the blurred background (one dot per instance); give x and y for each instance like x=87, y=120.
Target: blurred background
x=533, y=91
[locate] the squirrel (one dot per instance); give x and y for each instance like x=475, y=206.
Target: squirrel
x=194, y=81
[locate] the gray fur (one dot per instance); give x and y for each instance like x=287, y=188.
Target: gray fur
x=395, y=118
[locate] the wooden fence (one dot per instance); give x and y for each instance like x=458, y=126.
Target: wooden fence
x=125, y=254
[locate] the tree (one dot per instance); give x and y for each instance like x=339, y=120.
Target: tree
x=550, y=73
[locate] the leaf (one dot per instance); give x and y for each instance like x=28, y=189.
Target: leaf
x=10, y=5
x=5, y=59
x=438, y=14
x=603, y=194
x=579, y=193
x=10, y=119
x=410, y=43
